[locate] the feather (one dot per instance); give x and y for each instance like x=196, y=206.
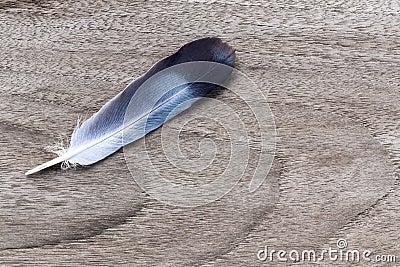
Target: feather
x=165, y=90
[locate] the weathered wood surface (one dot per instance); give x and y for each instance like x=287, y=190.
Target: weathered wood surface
x=330, y=71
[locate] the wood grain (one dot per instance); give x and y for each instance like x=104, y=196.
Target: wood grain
x=329, y=69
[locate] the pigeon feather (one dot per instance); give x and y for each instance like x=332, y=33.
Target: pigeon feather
x=133, y=113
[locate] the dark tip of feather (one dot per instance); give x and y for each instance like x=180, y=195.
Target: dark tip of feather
x=208, y=49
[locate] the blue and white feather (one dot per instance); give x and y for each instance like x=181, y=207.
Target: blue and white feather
x=146, y=103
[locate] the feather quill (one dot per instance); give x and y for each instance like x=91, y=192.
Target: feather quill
x=133, y=113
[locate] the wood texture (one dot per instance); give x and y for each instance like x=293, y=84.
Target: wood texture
x=329, y=69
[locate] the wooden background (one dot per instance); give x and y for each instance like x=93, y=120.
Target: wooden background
x=329, y=69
